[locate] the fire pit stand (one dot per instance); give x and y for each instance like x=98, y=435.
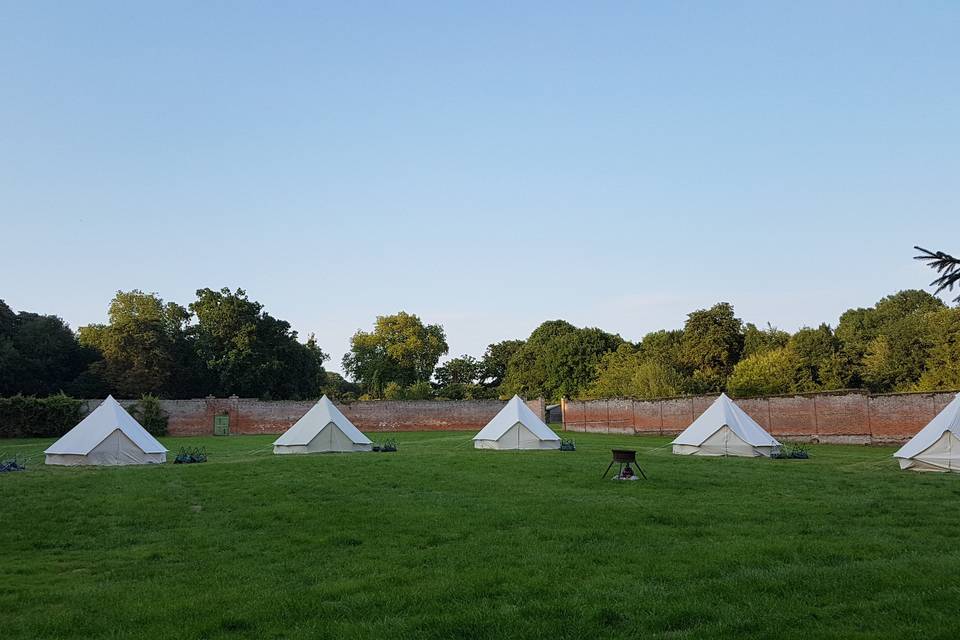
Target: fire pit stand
x=625, y=458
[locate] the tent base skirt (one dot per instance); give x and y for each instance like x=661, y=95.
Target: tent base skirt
x=76, y=460
x=717, y=452
x=910, y=464
x=496, y=444
x=305, y=449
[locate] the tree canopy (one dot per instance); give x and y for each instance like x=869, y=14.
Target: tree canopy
x=144, y=346
x=711, y=345
x=39, y=354
x=558, y=359
x=224, y=343
x=245, y=351
x=400, y=350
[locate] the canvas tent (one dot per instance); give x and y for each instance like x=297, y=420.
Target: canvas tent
x=725, y=429
x=516, y=427
x=322, y=429
x=108, y=436
x=936, y=447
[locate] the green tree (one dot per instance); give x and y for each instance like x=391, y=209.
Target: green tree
x=821, y=357
x=39, y=354
x=665, y=347
x=527, y=370
x=496, y=360
x=464, y=370
x=245, y=351
x=557, y=360
x=767, y=373
x=756, y=340
x=144, y=345
x=711, y=345
x=886, y=343
x=625, y=373
x=400, y=349
x=942, y=367
x=336, y=387
x=879, y=370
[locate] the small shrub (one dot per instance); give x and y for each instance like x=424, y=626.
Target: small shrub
x=394, y=391
x=150, y=415
x=419, y=391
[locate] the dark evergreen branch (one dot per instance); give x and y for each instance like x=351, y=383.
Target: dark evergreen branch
x=946, y=266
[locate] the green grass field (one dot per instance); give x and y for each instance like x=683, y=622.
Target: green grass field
x=442, y=541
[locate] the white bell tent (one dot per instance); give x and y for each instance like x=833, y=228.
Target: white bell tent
x=936, y=447
x=322, y=429
x=516, y=427
x=725, y=429
x=107, y=436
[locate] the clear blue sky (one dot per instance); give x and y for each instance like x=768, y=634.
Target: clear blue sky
x=485, y=165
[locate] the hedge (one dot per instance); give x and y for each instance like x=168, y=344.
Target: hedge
x=29, y=417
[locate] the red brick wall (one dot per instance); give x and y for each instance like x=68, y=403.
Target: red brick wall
x=826, y=417
x=251, y=416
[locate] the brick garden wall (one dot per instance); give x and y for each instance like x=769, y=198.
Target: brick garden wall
x=251, y=416
x=857, y=417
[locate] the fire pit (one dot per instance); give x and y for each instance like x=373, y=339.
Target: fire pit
x=625, y=458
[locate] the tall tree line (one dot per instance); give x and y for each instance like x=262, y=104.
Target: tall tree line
x=908, y=341
x=221, y=344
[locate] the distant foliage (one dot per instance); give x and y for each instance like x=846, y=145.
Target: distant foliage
x=557, y=360
x=822, y=360
x=39, y=354
x=888, y=344
x=415, y=391
x=149, y=413
x=466, y=392
x=495, y=361
x=29, y=417
x=757, y=340
x=224, y=343
x=336, y=387
x=767, y=373
x=942, y=365
x=144, y=346
x=627, y=373
x=400, y=350
x=241, y=349
x=419, y=391
x=464, y=370
x=711, y=346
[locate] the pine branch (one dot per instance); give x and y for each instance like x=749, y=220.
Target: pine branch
x=946, y=266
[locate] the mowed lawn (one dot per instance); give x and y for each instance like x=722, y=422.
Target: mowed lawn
x=439, y=540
